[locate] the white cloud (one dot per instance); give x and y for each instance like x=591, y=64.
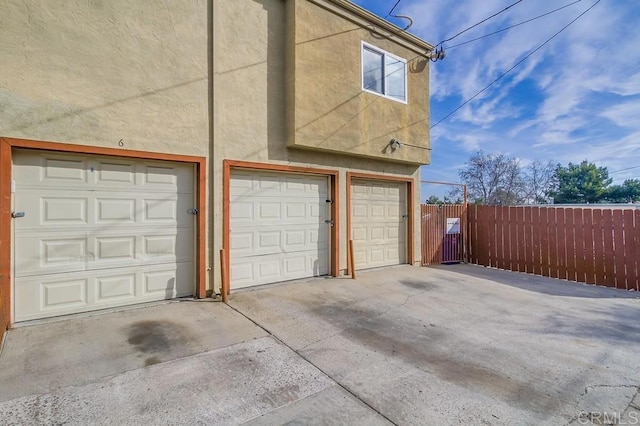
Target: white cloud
x=576, y=98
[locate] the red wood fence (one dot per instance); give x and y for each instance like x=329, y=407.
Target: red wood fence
x=590, y=245
x=441, y=243
x=3, y=320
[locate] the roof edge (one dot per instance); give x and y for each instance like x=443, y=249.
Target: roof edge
x=419, y=45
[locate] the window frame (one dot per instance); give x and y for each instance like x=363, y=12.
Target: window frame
x=367, y=46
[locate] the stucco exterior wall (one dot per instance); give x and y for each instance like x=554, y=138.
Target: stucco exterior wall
x=94, y=72
x=97, y=72
x=250, y=109
x=198, y=77
x=328, y=110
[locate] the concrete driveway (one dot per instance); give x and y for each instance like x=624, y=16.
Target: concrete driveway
x=449, y=345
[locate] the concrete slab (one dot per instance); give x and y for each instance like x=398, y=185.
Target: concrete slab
x=332, y=406
x=461, y=344
x=40, y=358
x=227, y=386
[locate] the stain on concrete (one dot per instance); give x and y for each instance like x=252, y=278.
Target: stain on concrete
x=152, y=337
x=429, y=349
x=152, y=361
x=418, y=284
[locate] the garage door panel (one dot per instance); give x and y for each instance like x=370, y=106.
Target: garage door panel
x=247, y=272
x=378, y=228
x=116, y=172
x=49, y=208
x=55, y=252
x=277, y=225
x=116, y=287
x=99, y=232
x=77, y=172
x=76, y=292
x=293, y=239
x=278, y=213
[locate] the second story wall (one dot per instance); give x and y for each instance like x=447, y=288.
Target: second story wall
x=328, y=109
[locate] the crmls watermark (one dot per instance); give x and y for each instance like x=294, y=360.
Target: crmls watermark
x=608, y=418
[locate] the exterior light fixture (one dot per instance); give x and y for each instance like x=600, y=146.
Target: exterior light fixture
x=395, y=144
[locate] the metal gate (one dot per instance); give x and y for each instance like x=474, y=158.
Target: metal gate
x=443, y=233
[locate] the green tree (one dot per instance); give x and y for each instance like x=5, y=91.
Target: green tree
x=435, y=200
x=628, y=192
x=580, y=184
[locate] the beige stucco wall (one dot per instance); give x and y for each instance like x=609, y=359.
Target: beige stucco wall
x=249, y=107
x=327, y=108
x=94, y=72
x=97, y=71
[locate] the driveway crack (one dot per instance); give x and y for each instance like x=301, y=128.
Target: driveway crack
x=297, y=352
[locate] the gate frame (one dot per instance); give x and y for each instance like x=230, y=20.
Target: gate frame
x=465, y=220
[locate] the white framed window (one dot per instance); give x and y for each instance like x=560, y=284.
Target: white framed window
x=384, y=73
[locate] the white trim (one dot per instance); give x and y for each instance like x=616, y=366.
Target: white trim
x=364, y=45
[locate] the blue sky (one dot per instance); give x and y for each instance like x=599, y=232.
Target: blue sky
x=577, y=98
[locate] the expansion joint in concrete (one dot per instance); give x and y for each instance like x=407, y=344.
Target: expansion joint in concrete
x=345, y=388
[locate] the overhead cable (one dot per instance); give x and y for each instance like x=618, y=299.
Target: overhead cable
x=515, y=25
x=479, y=23
x=514, y=66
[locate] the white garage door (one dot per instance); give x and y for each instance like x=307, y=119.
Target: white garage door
x=378, y=223
x=278, y=228
x=99, y=232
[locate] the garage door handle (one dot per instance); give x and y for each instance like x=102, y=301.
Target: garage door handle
x=329, y=222
x=192, y=211
x=17, y=214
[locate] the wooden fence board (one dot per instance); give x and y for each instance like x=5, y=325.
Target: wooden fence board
x=635, y=253
x=520, y=238
x=620, y=273
x=483, y=235
x=592, y=245
x=570, y=247
x=589, y=251
x=609, y=265
x=553, y=243
x=598, y=241
x=562, y=242
x=499, y=247
x=536, y=240
x=579, y=251
x=544, y=241
x=510, y=246
x=472, y=222
x=528, y=242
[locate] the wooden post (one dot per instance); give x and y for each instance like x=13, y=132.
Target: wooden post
x=351, y=261
x=223, y=276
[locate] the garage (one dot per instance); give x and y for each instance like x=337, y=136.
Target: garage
x=378, y=222
x=279, y=226
x=93, y=232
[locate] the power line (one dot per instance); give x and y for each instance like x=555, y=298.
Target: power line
x=513, y=67
x=481, y=22
x=392, y=9
x=623, y=170
x=515, y=25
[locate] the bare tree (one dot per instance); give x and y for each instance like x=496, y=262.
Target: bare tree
x=493, y=179
x=539, y=180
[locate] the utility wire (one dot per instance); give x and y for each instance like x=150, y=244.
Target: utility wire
x=515, y=25
x=392, y=9
x=481, y=22
x=623, y=170
x=513, y=67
